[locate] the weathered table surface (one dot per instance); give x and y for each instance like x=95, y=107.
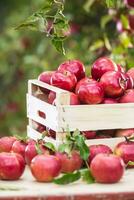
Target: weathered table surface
x=28, y=189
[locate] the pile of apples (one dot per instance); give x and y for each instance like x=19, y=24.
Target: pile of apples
x=105, y=165
x=108, y=83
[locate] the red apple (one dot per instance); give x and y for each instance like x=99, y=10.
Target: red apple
x=130, y=3
x=83, y=81
x=129, y=81
x=45, y=167
x=109, y=101
x=64, y=80
x=89, y=134
x=19, y=147
x=31, y=151
x=70, y=163
x=75, y=67
x=125, y=150
x=91, y=93
x=114, y=84
x=51, y=97
x=120, y=68
x=12, y=166
x=45, y=77
x=102, y=65
x=128, y=97
x=107, y=168
x=130, y=72
x=38, y=127
x=97, y=149
x=6, y=143
x=124, y=132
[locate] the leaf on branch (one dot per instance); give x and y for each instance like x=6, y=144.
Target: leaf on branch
x=68, y=178
x=111, y=3
x=87, y=176
x=58, y=43
x=50, y=146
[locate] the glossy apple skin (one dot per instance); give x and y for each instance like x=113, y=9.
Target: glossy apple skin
x=19, y=147
x=70, y=163
x=89, y=134
x=12, y=166
x=124, y=132
x=45, y=168
x=129, y=81
x=6, y=143
x=83, y=81
x=107, y=168
x=114, y=84
x=65, y=80
x=75, y=67
x=109, y=101
x=126, y=151
x=91, y=93
x=130, y=72
x=31, y=152
x=45, y=77
x=128, y=97
x=102, y=65
x=130, y=3
x=97, y=149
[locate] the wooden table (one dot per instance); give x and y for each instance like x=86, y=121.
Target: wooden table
x=28, y=189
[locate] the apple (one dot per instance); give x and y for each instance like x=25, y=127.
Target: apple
x=130, y=72
x=51, y=133
x=89, y=134
x=109, y=101
x=128, y=96
x=31, y=151
x=12, y=166
x=45, y=167
x=69, y=163
x=51, y=97
x=102, y=65
x=129, y=81
x=64, y=80
x=45, y=77
x=82, y=81
x=19, y=147
x=130, y=3
x=107, y=168
x=6, y=143
x=97, y=149
x=125, y=150
x=75, y=67
x=120, y=68
x=91, y=93
x=114, y=83
x=124, y=132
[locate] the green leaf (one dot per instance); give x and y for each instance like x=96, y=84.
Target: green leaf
x=130, y=163
x=50, y=146
x=38, y=150
x=111, y=3
x=21, y=138
x=105, y=20
x=87, y=6
x=87, y=176
x=68, y=178
x=83, y=148
x=125, y=21
x=58, y=43
x=62, y=148
x=96, y=45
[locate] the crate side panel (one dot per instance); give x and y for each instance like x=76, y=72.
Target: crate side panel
x=35, y=105
x=97, y=117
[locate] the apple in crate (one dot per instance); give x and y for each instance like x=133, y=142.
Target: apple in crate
x=97, y=149
x=64, y=80
x=6, y=143
x=45, y=167
x=128, y=96
x=102, y=65
x=91, y=93
x=124, y=132
x=114, y=83
x=12, y=166
x=89, y=134
x=45, y=77
x=126, y=151
x=76, y=67
x=107, y=168
x=70, y=163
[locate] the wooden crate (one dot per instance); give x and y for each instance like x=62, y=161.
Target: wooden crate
x=82, y=117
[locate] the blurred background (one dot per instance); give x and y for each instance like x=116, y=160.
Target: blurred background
x=95, y=30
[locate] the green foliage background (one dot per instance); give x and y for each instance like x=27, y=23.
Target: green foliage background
x=24, y=54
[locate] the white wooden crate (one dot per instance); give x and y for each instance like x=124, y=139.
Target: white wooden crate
x=83, y=117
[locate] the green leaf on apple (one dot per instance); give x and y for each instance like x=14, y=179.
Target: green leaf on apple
x=82, y=147
x=68, y=178
x=87, y=176
x=50, y=146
